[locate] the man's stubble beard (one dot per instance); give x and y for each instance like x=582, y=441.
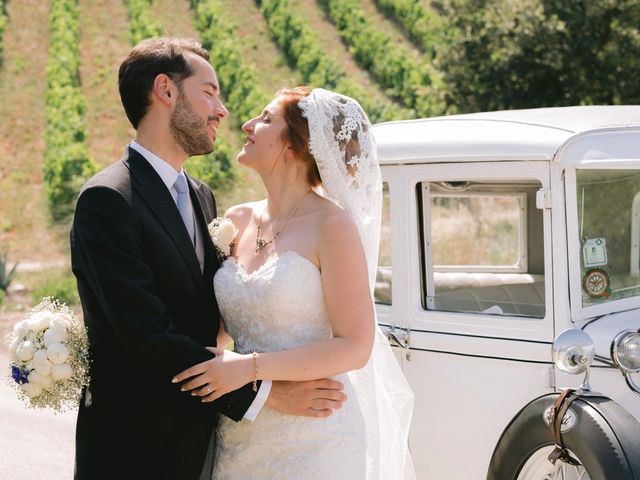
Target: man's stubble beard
x=189, y=130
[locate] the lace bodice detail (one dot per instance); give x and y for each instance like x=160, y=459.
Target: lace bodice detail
x=278, y=306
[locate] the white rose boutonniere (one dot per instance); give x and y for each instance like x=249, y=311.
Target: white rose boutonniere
x=223, y=232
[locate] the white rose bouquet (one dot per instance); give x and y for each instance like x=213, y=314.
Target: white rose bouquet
x=223, y=232
x=49, y=356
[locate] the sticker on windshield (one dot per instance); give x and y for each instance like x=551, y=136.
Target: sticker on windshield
x=594, y=252
x=596, y=283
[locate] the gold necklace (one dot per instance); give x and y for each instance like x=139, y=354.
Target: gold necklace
x=261, y=242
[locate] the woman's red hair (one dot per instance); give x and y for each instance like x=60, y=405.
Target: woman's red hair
x=297, y=132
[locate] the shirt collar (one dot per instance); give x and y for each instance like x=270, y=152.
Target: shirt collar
x=166, y=172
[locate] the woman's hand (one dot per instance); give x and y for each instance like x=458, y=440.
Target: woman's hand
x=210, y=380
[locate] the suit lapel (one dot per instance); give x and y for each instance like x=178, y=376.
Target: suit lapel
x=210, y=259
x=157, y=197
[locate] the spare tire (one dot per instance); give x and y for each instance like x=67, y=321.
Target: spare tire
x=603, y=436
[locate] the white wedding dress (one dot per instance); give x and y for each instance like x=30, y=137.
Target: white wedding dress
x=281, y=306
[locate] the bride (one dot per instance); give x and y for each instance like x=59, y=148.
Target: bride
x=296, y=299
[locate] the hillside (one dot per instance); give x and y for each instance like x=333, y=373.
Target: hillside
x=59, y=70
x=26, y=230
x=62, y=119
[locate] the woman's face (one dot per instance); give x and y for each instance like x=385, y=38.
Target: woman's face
x=264, y=139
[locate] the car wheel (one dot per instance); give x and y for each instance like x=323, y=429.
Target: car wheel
x=598, y=432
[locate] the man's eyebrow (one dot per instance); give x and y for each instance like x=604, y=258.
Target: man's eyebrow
x=212, y=85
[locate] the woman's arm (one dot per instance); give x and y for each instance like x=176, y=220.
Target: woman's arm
x=223, y=339
x=350, y=309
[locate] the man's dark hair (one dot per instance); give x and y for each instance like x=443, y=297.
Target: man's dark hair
x=145, y=62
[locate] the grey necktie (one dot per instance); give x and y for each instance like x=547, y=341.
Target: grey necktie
x=184, y=205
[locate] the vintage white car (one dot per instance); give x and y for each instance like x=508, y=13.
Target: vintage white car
x=509, y=271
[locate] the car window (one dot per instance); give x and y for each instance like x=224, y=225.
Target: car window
x=483, y=248
x=609, y=236
x=382, y=291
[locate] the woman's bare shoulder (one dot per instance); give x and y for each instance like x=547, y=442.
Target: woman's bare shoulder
x=336, y=222
x=242, y=213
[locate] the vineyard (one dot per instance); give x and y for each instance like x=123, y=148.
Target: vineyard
x=62, y=120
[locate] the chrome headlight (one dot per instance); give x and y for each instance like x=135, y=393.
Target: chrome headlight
x=625, y=351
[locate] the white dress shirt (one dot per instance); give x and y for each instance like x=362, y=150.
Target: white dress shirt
x=168, y=175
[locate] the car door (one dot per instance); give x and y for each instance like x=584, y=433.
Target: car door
x=465, y=292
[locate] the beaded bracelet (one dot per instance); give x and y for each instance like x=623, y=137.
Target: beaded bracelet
x=255, y=371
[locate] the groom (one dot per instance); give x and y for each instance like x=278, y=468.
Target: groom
x=144, y=264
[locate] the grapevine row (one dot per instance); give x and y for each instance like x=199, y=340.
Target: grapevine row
x=301, y=45
x=141, y=24
x=423, y=26
x=3, y=26
x=238, y=81
x=66, y=161
x=390, y=64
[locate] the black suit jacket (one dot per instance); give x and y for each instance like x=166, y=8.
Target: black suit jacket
x=149, y=311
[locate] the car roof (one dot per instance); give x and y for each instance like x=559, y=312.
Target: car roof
x=531, y=134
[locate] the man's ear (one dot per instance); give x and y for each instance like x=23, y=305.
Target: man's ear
x=164, y=89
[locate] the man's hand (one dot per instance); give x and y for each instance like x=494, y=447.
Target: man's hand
x=315, y=398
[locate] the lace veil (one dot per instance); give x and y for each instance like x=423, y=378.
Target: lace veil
x=344, y=149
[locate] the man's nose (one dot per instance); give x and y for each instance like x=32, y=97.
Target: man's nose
x=221, y=110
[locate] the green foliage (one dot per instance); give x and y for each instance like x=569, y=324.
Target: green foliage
x=239, y=84
x=141, y=24
x=304, y=49
x=532, y=53
x=238, y=80
x=215, y=169
x=66, y=162
x=424, y=26
x=3, y=26
x=2, y=295
x=405, y=78
x=6, y=276
x=60, y=285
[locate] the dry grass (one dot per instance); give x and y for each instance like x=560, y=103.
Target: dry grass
x=25, y=228
x=476, y=231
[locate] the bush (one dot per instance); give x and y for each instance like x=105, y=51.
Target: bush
x=6, y=276
x=540, y=53
x=60, y=285
x=3, y=26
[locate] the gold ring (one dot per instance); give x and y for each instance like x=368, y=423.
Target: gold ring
x=208, y=389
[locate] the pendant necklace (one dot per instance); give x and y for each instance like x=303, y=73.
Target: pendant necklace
x=261, y=242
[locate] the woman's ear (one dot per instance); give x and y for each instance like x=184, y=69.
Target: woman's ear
x=289, y=154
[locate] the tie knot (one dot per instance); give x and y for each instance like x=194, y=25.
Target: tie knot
x=181, y=184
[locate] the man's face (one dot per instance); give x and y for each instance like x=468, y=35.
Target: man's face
x=198, y=110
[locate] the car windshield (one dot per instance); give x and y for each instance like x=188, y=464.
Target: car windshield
x=609, y=232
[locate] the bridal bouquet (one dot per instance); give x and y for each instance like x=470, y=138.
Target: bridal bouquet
x=223, y=232
x=49, y=357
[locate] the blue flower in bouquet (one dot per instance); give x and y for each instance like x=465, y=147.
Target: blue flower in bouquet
x=20, y=376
